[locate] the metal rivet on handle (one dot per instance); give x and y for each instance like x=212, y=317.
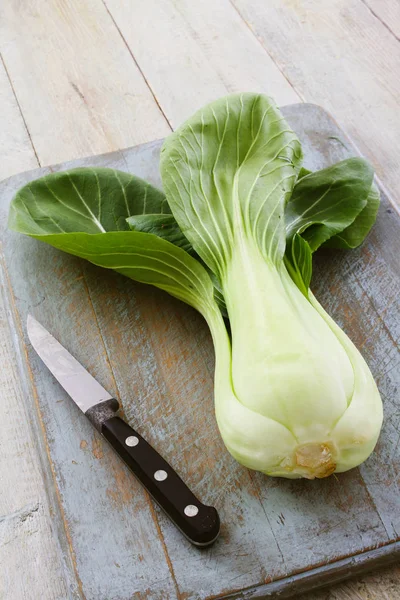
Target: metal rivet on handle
x=132, y=440
x=160, y=475
x=191, y=510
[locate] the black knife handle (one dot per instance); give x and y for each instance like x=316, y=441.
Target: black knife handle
x=198, y=522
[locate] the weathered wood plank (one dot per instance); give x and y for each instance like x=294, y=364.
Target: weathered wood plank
x=16, y=151
x=164, y=376
x=26, y=528
x=338, y=55
x=192, y=53
x=108, y=518
x=79, y=89
x=388, y=12
x=32, y=563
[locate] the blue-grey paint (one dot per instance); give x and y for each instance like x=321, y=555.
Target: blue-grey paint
x=155, y=354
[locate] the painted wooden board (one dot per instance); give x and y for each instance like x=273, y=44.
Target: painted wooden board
x=155, y=354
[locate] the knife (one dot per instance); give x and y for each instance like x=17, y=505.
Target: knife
x=198, y=522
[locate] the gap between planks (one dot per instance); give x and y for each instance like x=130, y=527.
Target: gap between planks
x=259, y=40
x=383, y=22
x=39, y=422
x=137, y=65
x=20, y=110
x=121, y=412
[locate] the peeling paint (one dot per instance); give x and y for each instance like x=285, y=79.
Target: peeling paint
x=270, y=528
x=97, y=447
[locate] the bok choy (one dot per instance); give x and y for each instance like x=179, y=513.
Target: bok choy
x=233, y=235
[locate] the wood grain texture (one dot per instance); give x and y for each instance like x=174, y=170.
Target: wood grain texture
x=271, y=528
x=90, y=518
x=325, y=50
x=16, y=151
x=337, y=54
x=79, y=89
x=32, y=563
x=31, y=558
x=388, y=12
x=195, y=52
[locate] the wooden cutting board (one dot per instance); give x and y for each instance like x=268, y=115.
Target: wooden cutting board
x=279, y=537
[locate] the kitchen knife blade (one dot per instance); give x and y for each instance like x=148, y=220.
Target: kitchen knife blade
x=84, y=390
x=198, y=522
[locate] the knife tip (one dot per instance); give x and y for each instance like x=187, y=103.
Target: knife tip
x=30, y=323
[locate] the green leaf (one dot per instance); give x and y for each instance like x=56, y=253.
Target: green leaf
x=354, y=234
x=326, y=202
x=143, y=257
x=228, y=172
x=298, y=261
x=302, y=173
x=88, y=200
x=165, y=226
x=69, y=209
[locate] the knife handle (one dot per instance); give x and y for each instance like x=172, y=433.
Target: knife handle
x=198, y=522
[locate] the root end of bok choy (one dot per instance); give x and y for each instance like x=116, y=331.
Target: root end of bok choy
x=234, y=235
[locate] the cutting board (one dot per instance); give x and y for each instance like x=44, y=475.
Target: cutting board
x=278, y=537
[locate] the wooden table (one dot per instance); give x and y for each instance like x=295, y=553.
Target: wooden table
x=91, y=76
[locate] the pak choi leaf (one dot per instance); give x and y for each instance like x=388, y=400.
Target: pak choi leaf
x=88, y=200
x=293, y=396
x=164, y=226
x=354, y=234
x=298, y=261
x=326, y=202
x=228, y=172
